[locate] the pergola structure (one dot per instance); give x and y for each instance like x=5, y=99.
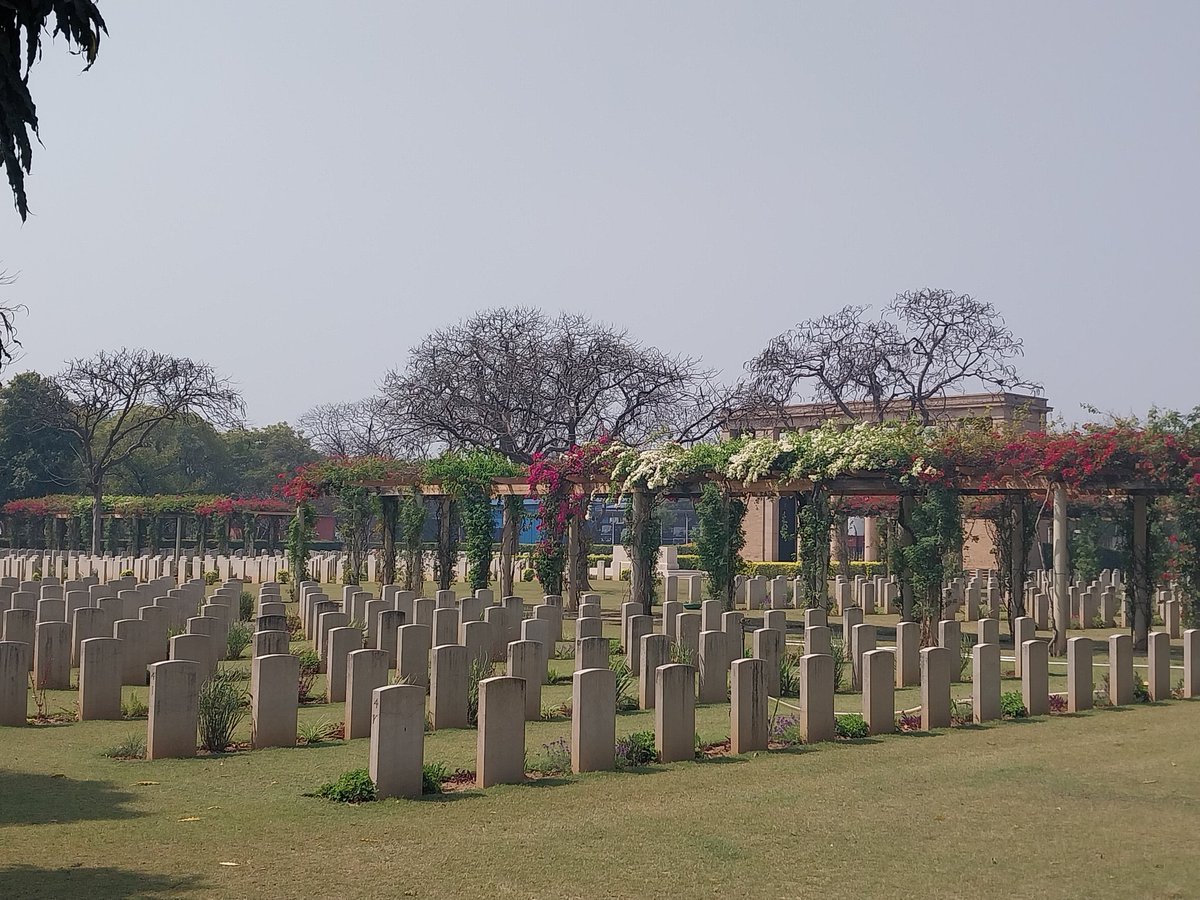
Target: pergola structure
x=1139, y=494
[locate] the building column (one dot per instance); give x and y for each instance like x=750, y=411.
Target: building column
x=870, y=539
x=1062, y=572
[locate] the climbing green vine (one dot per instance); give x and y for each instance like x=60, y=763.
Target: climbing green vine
x=719, y=540
x=468, y=478
x=814, y=518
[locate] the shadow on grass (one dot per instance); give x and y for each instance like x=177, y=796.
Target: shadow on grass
x=101, y=881
x=720, y=760
x=545, y=782
x=449, y=796
x=653, y=769
x=43, y=799
x=794, y=750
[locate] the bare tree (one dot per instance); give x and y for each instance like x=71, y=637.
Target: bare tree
x=924, y=345
x=23, y=26
x=953, y=339
x=847, y=358
x=112, y=404
x=520, y=381
x=366, y=427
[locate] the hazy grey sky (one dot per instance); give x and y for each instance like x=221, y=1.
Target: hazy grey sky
x=296, y=192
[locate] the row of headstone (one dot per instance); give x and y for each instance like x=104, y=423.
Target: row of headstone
x=23, y=564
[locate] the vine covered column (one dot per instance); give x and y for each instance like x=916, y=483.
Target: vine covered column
x=299, y=541
x=814, y=520
x=904, y=540
x=641, y=574
x=1138, y=587
x=447, y=542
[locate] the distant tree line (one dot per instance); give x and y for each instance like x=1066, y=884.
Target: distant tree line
x=180, y=456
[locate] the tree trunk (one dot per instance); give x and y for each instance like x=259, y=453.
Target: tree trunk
x=573, y=564
x=389, y=508
x=510, y=533
x=583, y=548
x=97, y=527
x=641, y=578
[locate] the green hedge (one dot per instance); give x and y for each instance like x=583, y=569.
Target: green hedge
x=792, y=569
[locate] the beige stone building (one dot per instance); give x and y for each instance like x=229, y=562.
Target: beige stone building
x=767, y=540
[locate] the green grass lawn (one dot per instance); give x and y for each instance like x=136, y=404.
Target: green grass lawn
x=1102, y=804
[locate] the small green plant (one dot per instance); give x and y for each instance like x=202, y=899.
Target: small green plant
x=966, y=648
x=682, y=654
x=284, y=576
x=1012, y=706
x=561, y=711
x=132, y=746
x=635, y=750
x=553, y=759
x=310, y=665
x=209, y=577
x=851, y=727
x=134, y=707
x=789, y=676
x=125, y=573
x=222, y=706
x=1141, y=691
x=432, y=776
x=238, y=640
x=837, y=649
x=553, y=676
x=785, y=730
x=480, y=669
x=626, y=685
x=1097, y=621
x=960, y=712
x=246, y=606
x=354, y=786
x=316, y=732
x=565, y=650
